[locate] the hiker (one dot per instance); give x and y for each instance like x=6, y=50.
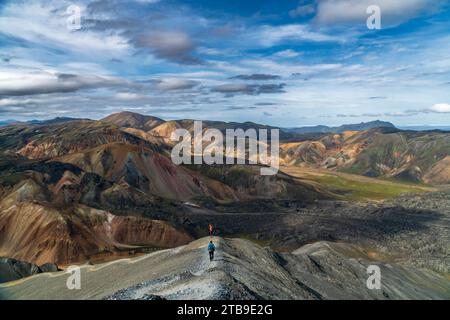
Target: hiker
x=210, y=228
x=211, y=249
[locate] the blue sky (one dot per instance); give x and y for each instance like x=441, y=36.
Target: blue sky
x=286, y=63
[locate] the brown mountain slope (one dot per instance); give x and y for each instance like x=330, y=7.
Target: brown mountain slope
x=165, y=129
x=148, y=171
x=404, y=155
x=128, y=119
x=63, y=184
x=40, y=233
x=47, y=214
x=46, y=141
x=439, y=173
x=146, y=136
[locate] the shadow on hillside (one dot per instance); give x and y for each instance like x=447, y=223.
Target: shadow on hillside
x=344, y=223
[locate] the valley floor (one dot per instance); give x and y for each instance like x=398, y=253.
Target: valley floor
x=412, y=229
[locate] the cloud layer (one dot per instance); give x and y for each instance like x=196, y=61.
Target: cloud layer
x=32, y=83
x=284, y=62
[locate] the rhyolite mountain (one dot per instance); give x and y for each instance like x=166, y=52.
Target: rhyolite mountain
x=375, y=149
x=83, y=189
x=382, y=152
x=79, y=190
x=128, y=119
x=135, y=120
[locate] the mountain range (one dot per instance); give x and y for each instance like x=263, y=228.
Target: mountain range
x=129, y=119
x=80, y=190
x=374, y=149
x=346, y=127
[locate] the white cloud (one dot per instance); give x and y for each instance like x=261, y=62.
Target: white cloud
x=129, y=96
x=289, y=53
x=272, y=35
x=286, y=69
x=441, y=108
x=14, y=102
x=19, y=83
x=176, y=84
x=354, y=11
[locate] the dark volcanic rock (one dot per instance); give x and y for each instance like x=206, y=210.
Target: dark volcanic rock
x=12, y=269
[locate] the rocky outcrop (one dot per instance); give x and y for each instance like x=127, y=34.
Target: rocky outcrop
x=12, y=269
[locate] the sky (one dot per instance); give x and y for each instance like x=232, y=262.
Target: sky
x=285, y=63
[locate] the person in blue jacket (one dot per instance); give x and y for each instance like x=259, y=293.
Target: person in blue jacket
x=211, y=249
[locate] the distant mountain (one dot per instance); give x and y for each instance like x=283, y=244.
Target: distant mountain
x=160, y=129
x=129, y=119
x=165, y=129
x=6, y=122
x=55, y=120
x=414, y=156
x=346, y=127
x=40, y=122
x=425, y=128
